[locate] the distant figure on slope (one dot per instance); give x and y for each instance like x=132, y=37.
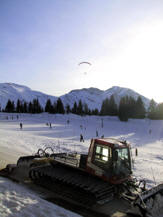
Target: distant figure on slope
x=81, y=138
x=21, y=126
x=50, y=125
x=96, y=133
x=68, y=121
x=136, y=152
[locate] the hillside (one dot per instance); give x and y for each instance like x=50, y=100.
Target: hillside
x=15, y=91
x=93, y=97
x=18, y=202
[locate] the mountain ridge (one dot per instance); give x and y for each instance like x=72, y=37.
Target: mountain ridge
x=92, y=96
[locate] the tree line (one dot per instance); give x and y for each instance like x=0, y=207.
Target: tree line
x=128, y=108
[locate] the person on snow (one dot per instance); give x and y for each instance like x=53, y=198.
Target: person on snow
x=21, y=126
x=81, y=138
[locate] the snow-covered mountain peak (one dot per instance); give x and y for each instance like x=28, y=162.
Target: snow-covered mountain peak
x=93, y=97
x=18, y=87
x=14, y=92
x=11, y=87
x=91, y=90
x=119, y=92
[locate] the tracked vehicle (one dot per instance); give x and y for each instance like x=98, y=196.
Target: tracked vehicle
x=100, y=181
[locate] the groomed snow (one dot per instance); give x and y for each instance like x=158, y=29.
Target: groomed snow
x=15, y=200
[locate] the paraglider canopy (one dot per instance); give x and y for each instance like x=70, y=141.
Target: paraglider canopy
x=84, y=67
x=85, y=63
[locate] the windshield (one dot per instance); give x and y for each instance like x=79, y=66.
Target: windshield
x=122, y=161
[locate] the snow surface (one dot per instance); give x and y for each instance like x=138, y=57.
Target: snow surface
x=17, y=201
x=93, y=97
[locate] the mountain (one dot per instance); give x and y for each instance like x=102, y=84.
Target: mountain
x=120, y=92
x=15, y=91
x=93, y=97
x=90, y=96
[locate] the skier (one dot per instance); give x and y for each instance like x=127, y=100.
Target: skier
x=81, y=138
x=21, y=126
x=136, y=152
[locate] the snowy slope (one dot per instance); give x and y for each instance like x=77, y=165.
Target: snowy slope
x=16, y=201
x=15, y=91
x=93, y=97
x=120, y=92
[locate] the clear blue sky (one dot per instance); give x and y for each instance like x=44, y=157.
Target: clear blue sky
x=42, y=42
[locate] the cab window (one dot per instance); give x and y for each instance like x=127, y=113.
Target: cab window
x=102, y=154
x=122, y=153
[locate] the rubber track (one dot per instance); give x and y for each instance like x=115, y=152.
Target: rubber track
x=73, y=183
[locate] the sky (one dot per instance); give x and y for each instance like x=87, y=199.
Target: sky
x=43, y=42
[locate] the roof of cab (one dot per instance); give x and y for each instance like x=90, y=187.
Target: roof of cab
x=112, y=142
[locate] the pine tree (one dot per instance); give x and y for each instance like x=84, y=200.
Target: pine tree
x=140, y=109
x=102, y=111
x=35, y=107
x=131, y=107
x=112, y=107
x=60, y=107
x=13, y=106
x=39, y=108
x=48, y=106
x=10, y=107
x=18, y=106
x=30, y=107
x=21, y=107
x=152, y=109
x=95, y=112
x=159, y=111
x=74, y=109
x=109, y=107
x=80, y=108
x=86, y=109
x=123, y=109
x=104, y=107
x=68, y=110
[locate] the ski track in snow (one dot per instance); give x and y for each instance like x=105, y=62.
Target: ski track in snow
x=15, y=200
